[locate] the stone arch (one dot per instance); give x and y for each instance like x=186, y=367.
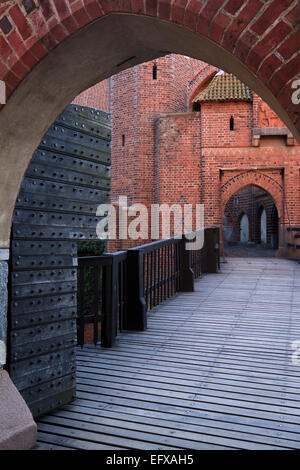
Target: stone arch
x=61, y=43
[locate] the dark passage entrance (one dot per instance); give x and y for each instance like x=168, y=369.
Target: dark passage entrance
x=68, y=177
x=250, y=223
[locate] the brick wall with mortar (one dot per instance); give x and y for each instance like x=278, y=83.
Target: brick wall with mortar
x=137, y=99
x=96, y=97
x=178, y=177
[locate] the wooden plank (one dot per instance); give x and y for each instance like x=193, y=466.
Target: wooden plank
x=240, y=406
x=48, y=446
x=194, y=416
x=70, y=442
x=208, y=405
x=242, y=433
x=205, y=369
x=95, y=440
x=167, y=358
x=132, y=349
x=199, y=392
x=142, y=436
x=190, y=380
x=213, y=369
x=210, y=386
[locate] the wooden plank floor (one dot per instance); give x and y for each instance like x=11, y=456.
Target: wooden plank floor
x=213, y=371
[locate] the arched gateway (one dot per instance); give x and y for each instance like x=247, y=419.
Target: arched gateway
x=270, y=180
x=51, y=54
x=253, y=40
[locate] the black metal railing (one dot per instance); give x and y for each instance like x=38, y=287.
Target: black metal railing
x=117, y=289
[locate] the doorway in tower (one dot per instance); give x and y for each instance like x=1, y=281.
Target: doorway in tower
x=250, y=223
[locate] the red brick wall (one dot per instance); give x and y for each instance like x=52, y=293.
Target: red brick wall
x=215, y=124
x=137, y=100
x=96, y=97
x=124, y=122
x=177, y=159
x=263, y=116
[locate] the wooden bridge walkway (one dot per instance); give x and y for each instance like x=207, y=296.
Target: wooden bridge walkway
x=213, y=371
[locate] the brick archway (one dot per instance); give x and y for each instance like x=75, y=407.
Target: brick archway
x=263, y=35
x=52, y=52
x=271, y=180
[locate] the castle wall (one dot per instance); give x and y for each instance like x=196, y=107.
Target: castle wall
x=164, y=153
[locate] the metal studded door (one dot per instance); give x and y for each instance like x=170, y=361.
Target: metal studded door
x=68, y=177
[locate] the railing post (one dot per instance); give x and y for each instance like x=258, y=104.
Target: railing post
x=110, y=303
x=210, y=255
x=186, y=277
x=136, y=310
x=81, y=323
x=217, y=247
